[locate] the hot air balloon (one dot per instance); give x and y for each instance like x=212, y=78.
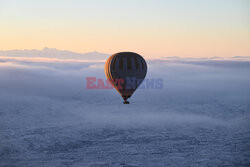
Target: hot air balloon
x=123, y=67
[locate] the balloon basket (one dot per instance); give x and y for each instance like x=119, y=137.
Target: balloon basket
x=126, y=102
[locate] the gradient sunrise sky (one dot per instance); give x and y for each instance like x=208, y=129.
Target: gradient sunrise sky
x=153, y=28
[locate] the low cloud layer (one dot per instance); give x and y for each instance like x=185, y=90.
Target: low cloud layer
x=46, y=111
x=187, y=84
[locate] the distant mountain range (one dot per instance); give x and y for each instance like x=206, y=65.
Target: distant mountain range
x=65, y=54
x=54, y=53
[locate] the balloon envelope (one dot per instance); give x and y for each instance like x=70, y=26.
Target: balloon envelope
x=125, y=71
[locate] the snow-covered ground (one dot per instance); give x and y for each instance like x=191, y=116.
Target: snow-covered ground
x=200, y=118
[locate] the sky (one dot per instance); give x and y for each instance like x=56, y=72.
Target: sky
x=152, y=28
